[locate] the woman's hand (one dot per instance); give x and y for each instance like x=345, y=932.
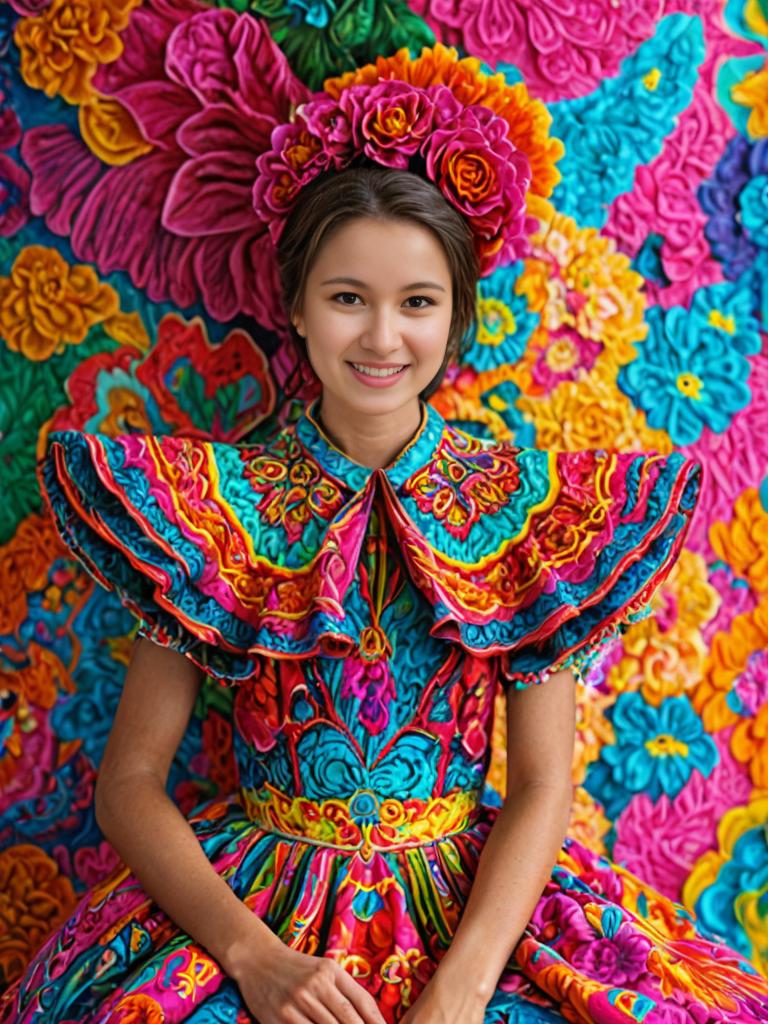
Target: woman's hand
x=290, y=986
x=444, y=1002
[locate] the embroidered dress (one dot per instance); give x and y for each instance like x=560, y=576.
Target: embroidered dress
x=367, y=619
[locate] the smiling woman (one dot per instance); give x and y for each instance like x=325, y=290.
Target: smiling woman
x=370, y=580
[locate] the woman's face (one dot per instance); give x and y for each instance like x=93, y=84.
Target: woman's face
x=379, y=293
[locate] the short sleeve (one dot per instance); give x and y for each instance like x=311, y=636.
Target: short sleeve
x=585, y=661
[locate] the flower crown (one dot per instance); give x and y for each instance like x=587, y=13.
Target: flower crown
x=464, y=149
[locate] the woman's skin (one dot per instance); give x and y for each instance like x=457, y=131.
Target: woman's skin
x=380, y=320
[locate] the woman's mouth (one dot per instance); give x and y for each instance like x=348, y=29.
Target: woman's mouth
x=374, y=377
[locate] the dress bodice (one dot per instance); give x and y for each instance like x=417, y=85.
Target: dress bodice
x=393, y=739
x=390, y=741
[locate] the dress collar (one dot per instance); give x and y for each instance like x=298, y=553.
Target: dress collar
x=417, y=451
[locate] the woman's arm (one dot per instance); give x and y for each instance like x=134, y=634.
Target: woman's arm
x=523, y=844
x=144, y=825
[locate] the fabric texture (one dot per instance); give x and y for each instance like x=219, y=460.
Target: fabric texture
x=367, y=619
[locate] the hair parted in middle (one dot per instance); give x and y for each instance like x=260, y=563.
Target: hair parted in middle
x=383, y=193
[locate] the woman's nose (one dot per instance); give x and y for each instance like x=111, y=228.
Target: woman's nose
x=382, y=334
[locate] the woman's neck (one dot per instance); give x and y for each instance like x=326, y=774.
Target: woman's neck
x=372, y=440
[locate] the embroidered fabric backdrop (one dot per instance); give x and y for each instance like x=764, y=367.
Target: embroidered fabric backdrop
x=137, y=294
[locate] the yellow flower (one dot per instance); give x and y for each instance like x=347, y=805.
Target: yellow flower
x=668, y=662
x=591, y=413
x=576, y=279
x=46, y=303
x=734, y=824
x=752, y=92
x=61, y=48
x=110, y=131
x=743, y=543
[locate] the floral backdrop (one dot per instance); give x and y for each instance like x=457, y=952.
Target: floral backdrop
x=138, y=293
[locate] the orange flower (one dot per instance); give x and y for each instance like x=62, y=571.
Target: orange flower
x=110, y=131
x=593, y=729
x=61, y=49
x=36, y=898
x=24, y=565
x=728, y=656
x=743, y=543
x=46, y=303
x=749, y=744
x=138, y=1008
x=528, y=119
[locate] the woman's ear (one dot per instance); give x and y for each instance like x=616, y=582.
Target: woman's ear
x=298, y=323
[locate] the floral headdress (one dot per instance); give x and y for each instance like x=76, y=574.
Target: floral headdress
x=461, y=130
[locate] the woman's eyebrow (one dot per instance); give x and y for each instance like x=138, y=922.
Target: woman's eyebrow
x=361, y=284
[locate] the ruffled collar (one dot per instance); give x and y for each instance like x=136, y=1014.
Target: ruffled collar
x=416, y=452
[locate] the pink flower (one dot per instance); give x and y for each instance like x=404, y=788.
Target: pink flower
x=615, y=960
x=325, y=119
x=660, y=841
x=735, y=599
x=565, y=356
x=206, y=87
x=558, y=921
x=751, y=686
x=485, y=177
x=388, y=121
x=562, y=52
x=296, y=157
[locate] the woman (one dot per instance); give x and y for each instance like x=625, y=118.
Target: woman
x=366, y=580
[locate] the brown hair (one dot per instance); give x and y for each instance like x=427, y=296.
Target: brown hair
x=385, y=193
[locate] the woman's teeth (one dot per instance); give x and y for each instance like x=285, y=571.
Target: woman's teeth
x=374, y=372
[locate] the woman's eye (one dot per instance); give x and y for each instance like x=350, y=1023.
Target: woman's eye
x=354, y=295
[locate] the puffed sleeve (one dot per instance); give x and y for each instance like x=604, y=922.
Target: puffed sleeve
x=629, y=560
x=192, y=537
x=540, y=559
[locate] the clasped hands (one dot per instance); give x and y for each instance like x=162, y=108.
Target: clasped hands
x=289, y=987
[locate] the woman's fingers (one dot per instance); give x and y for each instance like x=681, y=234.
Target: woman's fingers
x=331, y=1010
x=322, y=998
x=362, y=1001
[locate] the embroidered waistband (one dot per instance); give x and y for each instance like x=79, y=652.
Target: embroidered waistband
x=363, y=822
